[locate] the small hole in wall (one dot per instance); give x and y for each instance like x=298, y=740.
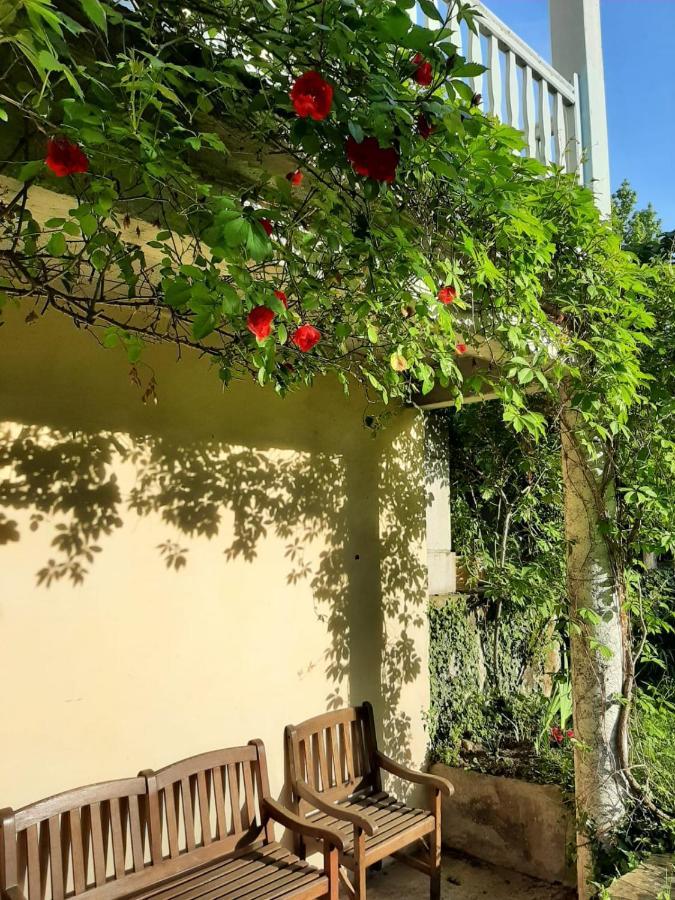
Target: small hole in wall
x=357, y=556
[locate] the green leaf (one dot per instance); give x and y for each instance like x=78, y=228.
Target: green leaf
x=356, y=131
x=176, y=293
x=468, y=70
x=203, y=325
x=429, y=9
x=99, y=260
x=31, y=169
x=88, y=225
x=95, y=13
x=56, y=245
x=396, y=23
x=111, y=338
x=236, y=232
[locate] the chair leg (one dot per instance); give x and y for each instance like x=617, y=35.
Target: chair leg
x=435, y=849
x=359, y=864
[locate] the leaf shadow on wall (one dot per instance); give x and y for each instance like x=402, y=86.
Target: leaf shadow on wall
x=363, y=509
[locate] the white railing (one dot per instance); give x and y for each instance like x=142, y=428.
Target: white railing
x=520, y=87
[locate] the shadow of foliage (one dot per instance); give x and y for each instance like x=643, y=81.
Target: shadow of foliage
x=363, y=509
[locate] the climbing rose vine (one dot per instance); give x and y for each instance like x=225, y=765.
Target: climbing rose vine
x=203, y=154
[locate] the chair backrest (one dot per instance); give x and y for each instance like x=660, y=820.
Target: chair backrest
x=75, y=842
x=334, y=753
x=208, y=805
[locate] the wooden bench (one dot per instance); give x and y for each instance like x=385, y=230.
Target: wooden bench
x=200, y=828
x=336, y=779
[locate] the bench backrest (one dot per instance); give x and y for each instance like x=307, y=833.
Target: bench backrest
x=334, y=753
x=112, y=839
x=208, y=805
x=74, y=842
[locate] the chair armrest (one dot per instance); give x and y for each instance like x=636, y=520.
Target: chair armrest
x=303, y=790
x=434, y=781
x=289, y=820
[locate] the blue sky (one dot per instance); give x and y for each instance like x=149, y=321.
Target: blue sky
x=639, y=49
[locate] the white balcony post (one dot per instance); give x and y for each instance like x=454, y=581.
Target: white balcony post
x=576, y=43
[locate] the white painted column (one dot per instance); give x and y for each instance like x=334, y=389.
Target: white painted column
x=440, y=558
x=576, y=44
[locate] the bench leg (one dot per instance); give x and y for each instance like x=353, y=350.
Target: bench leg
x=331, y=866
x=359, y=864
x=435, y=849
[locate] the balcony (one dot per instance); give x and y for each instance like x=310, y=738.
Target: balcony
x=559, y=108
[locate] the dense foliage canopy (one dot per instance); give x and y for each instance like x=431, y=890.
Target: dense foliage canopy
x=323, y=160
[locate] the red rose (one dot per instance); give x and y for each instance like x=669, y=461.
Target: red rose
x=424, y=126
x=557, y=735
x=368, y=158
x=570, y=734
x=447, y=294
x=65, y=158
x=259, y=322
x=306, y=337
x=312, y=96
x=461, y=348
x=423, y=74
x=267, y=225
x=280, y=295
x=295, y=178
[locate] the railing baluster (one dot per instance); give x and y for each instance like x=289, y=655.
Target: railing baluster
x=456, y=30
x=512, y=107
x=559, y=130
x=475, y=55
x=494, y=76
x=544, y=124
x=529, y=124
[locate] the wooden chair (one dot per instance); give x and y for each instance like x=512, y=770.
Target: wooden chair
x=202, y=828
x=336, y=780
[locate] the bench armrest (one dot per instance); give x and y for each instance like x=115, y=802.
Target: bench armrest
x=434, y=781
x=289, y=820
x=12, y=893
x=303, y=790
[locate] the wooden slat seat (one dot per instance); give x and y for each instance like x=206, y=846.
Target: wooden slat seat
x=199, y=829
x=395, y=821
x=336, y=779
x=267, y=872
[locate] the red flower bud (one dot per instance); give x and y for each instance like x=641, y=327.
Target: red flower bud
x=280, y=295
x=461, y=348
x=447, y=294
x=424, y=73
x=65, y=158
x=312, y=96
x=267, y=225
x=295, y=177
x=424, y=126
x=306, y=337
x=259, y=322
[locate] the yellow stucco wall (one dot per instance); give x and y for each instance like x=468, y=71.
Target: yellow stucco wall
x=259, y=561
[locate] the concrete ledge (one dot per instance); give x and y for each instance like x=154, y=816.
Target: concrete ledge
x=507, y=822
x=651, y=880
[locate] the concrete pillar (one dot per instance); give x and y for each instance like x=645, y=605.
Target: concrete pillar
x=576, y=44
x=440, y=558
